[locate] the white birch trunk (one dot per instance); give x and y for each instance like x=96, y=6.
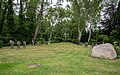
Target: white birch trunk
x=80, y=34
x=37, y=28
x=89, y=37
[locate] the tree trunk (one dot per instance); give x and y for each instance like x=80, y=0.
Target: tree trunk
x=37, y=28
x=79, y=38
x=118, y=6
x=50, y=36
x=80, y=34
x=89, y=37
x=2, y=18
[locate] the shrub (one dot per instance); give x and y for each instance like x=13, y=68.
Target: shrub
x=76, y=41
x=106, y=39
x=1, y=44
x=68, y=40
x=115, y=44
x=117, y=48
x=114, y=35
x=46, y=43
x=103, y=38
x=58, y=39
x=92, y=41
x=51, y=40
x=41, y=40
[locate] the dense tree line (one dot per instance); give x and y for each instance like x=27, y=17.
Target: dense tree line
x=27, y=20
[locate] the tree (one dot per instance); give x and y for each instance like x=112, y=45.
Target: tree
x=116, y=22
x=117, y=17
x=84, y=10
x=93, y=9
x=3, y=8
x=39, y=20
x=78, y=13
x=108, y=19
x=10, y=19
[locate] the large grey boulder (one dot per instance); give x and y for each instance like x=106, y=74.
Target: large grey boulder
x=104, y=51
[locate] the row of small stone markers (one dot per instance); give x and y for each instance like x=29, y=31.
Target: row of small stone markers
x=18, y=44
x=104, y=51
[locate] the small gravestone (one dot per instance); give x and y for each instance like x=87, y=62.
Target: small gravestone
x=104, y=51
x=24, y=44
x=12, y=44
x=18, y=44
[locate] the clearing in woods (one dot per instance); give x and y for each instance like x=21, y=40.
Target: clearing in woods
x=55, y=59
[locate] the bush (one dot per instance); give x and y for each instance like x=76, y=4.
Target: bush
x=76, y=41
x=58, y=39
x=106, y=39
x=103, y=38
x=46, y=43
x=117, y=48
x=92, y=41
x=1, y=44
x=114, y=35
x=51, y=40
x=68, y=40
x=41, y=40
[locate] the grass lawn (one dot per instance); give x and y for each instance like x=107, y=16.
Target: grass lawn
x=55, y=59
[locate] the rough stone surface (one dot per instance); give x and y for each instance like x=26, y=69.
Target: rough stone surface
x=24, y=44
x=104, y=51
x=33, y=65
x=18, y=44
x=12, y=44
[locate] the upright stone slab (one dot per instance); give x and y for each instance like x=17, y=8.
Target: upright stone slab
x=18, y=44
x=104, y=51
x=12, y=44
x=24, y=44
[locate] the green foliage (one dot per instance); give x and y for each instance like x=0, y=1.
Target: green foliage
x=76, y=41
x=114, y=36
x=106, y=39
x=85, y=11
x=41, y=40
x=10, y=18
x=58, y=39
x=103, y=39
x=92, y=42
x=51, y=40
x=55, y=22
x=68, y=40
x=1, y=43
x=117, y=48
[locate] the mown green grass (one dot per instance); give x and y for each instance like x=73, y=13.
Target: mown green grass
x=56, y=59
